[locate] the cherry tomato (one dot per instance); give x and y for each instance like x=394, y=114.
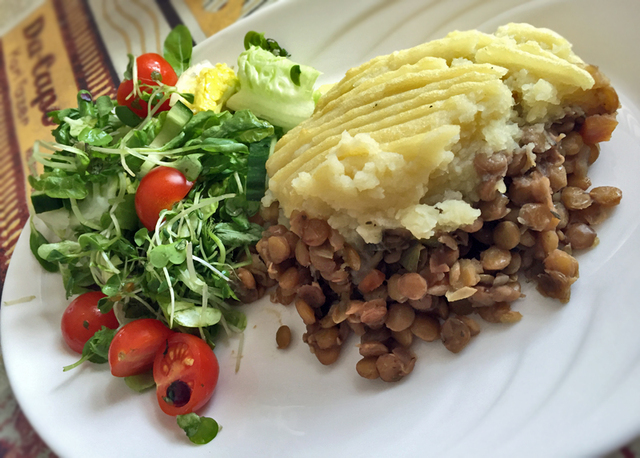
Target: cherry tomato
x=134, y=347
x=186, y=373
x=82, y=319
x=153, y=70
x=159, y=190
x=136, y=105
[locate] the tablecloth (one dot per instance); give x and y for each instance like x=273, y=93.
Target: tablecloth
x=48, y=51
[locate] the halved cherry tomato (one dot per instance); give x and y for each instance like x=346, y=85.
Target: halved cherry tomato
x=159, y=190
x=82, y=319
x=153, y=70
x=134, y=347
x=186, y=373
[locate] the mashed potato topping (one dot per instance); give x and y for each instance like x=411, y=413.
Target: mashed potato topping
x=393, y=144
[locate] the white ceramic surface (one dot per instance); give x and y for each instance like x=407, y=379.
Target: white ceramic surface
x=562, y=382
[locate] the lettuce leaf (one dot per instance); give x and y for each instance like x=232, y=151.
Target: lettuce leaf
x=274, y=88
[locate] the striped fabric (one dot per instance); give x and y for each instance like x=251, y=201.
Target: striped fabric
x=14, y=213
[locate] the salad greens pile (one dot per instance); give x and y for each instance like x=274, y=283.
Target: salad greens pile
x=183, y=272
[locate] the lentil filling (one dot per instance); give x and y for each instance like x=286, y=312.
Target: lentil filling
x=403, y=290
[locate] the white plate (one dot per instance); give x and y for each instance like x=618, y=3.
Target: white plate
x=562, y=382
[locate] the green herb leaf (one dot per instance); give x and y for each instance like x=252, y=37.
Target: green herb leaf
x=93, y=240
x=104, y=105
x=236, y=318
x=172, y=253
x=112, y=286
x=95, y=137
x=178, y=47
x=105, y=304
x=85, y=104
x=223, y=145
x=233, y=236
x=139, y=139
x=199, y=430
x=210, y=334
x=76, y=278
x=96, y=349
x=62, y=186
x=126, y=213
x=140, y=382
x=191, y=315
x=128, y=117
x=36, y=240
x=243, y=126
x=194, y=316
x=62, y=134
x=294, y=73
x=253, y=38
x=59, y=251
x=141, y=236
x=202, y=121
x=128, y=73
x=58, y=116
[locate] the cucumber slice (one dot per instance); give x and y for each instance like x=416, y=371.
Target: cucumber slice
x=43, y=203
x=177, y=117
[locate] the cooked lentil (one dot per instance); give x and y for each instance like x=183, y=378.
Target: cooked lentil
x=537, y=208
x=283, y=336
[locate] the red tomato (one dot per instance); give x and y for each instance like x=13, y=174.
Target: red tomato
x=152, y=70
x=186, y=373
x=136, y=105
x=82, y=319
x=159, y=190
x=134, y=346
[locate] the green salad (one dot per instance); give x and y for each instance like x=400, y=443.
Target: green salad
x=152, y=199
